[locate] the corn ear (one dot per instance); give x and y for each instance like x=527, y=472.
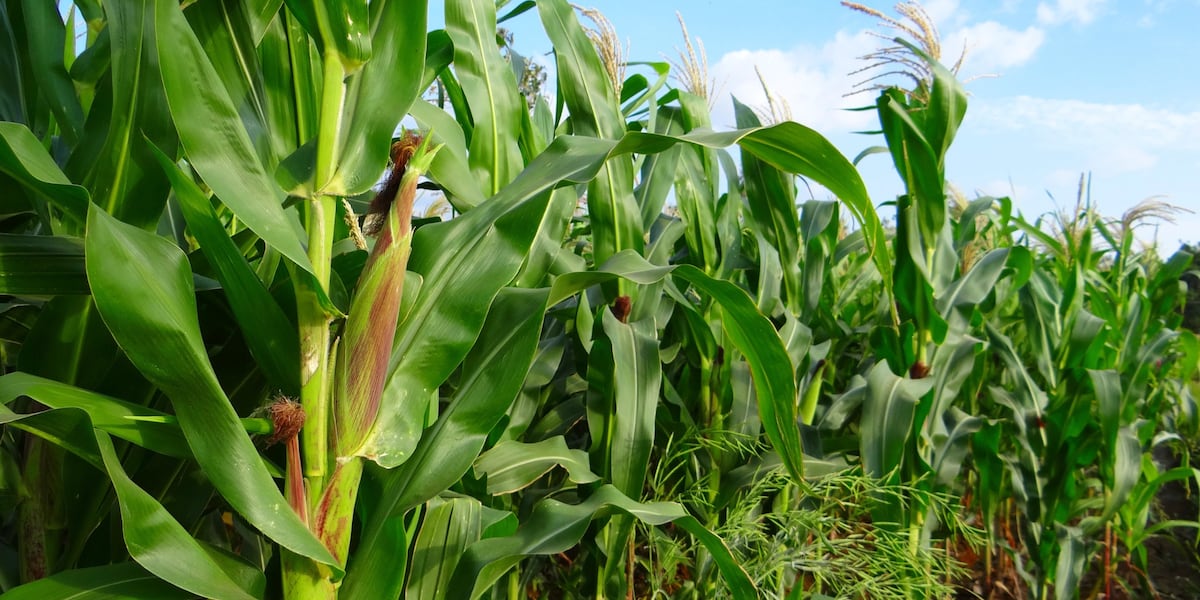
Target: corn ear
x=370, y=328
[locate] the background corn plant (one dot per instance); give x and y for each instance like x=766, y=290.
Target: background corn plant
x=637, y=360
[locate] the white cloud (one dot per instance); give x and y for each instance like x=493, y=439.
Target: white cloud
x=1092, y=120
x=991, y=45
x=1080, y=12
x=812, y=80
x=942, y=10
x=1107, y=138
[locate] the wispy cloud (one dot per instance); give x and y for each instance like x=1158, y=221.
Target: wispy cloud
x=814, y=81
x=1129, y=145
x=1080, y=12
x=941, y=11
x=1091, y=123
x=991, y=45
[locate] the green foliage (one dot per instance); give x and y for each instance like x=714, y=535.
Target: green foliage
x=633, y=363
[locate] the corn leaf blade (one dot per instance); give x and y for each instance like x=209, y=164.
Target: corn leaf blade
x=142, y=286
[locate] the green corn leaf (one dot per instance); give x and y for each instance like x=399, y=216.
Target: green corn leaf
x=340, y=27
x=808, y=403
x=492, y=376
x=214, y=139
x=439, y=53
x=453, y=93
x=1142, y=363
x=141, y=284
x=491, y=91
x=69, y=343
x=819, y=223
x=637, y=379
x=260, y=14
x=49, y=71
x=916, y=161
x=447, y=530
x=657, y=171
x=520, y=8
x=225, y=30
x=973, y=287
x=68, y=429
x=111, y=159
x=887, y=418
x=154, y=538
x=554, y=527
x=12, y=97
x=547, y=245
x=797, y=149
x=591, y=99
x=1041, y=307
x=511, y=465
x=771, y=196
x=381, y=94
x=769, y=294
x=449, y=168
x=289, y=62
x=108, y=414
x=41, y=265
x=951, y=452
x=774, y=375
x=92, y=63
x=269, y=334
x=161, y=544
x=1126, y=470
x=584, y=83
x=947, y=107
x=697, y=207
x=952, y=363
x=1072, y=554
x=913, y=274
x=966, y=227
x=1106, y=384
x=118, y=580
x=23, y=158
x=627, y=265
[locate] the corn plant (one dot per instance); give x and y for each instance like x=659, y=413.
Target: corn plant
x=187, y=171
x=238, y=365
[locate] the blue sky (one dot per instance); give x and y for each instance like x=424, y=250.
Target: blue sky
x=1108, y=87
